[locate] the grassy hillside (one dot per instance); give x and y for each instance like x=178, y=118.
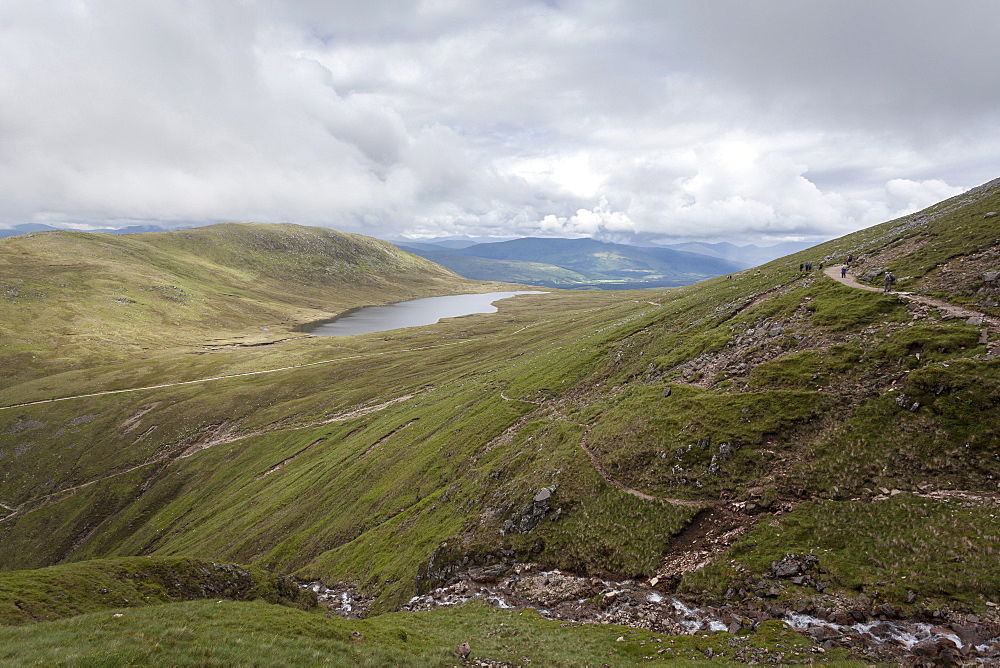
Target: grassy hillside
x=53, y=593
x=77, y=298
x=739, y=420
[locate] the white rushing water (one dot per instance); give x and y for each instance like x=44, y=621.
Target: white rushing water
x=907, y=635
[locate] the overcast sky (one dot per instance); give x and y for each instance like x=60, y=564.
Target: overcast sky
x=753, y=122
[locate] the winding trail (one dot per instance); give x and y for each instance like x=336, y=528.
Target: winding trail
x=945, y=307
x=834, y=273
x=634, y=492
x=508, y=435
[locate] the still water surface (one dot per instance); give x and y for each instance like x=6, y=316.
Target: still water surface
x=413, y=313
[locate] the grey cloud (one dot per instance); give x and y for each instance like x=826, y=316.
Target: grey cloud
x=746, y=120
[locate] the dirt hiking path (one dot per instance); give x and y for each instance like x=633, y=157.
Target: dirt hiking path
x=945, y=307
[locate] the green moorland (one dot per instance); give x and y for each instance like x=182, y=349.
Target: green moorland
x=79, y=299
x=853, y=425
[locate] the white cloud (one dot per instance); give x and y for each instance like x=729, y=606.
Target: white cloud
x=682, y=119
x=906, y=196
x=601, y=221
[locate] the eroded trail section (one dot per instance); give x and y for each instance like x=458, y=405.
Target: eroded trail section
x=628, y=490
x=280, y=465
x=710, y=532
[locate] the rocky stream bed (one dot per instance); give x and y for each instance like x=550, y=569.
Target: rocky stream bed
x=871, y=633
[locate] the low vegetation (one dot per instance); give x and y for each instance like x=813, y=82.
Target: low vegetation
x=230, y=633
x=916, y=553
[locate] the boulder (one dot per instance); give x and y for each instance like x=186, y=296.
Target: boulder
x=529, y=516
x=873, y=273
x=903, y=401
x=552, y=588
x=939, y=651
x=544, y=494
x=488, y=574
x=792, y=565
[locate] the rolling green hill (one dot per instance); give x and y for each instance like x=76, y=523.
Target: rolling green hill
x=696, y=434
x=72, y=298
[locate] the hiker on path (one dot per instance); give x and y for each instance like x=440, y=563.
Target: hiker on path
x=889, y=280
x=843, y=271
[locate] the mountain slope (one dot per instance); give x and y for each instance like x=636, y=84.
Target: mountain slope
x=698, y=434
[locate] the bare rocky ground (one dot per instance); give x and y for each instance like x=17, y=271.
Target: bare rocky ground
x=870, y=633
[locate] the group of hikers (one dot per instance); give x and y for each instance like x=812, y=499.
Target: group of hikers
x=887, y=282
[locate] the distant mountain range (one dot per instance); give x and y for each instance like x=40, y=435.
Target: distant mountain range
x=750, y=255
x=26, y=228
x=589, y=264
x=562, y=263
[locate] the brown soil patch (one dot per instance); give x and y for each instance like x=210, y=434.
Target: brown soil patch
x=133, y=421
x=710, y=532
